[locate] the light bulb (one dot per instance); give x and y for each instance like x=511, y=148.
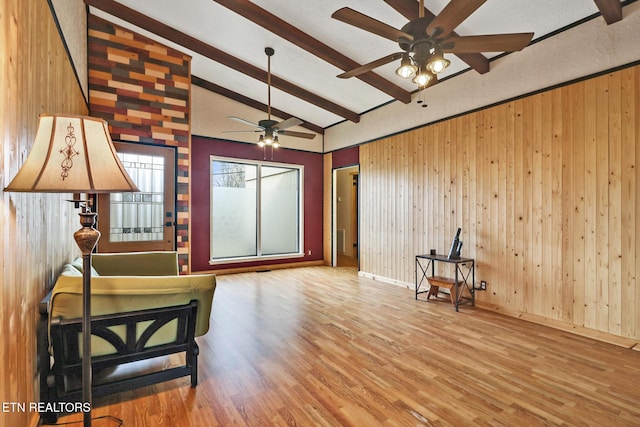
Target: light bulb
x=438, y=63
x=268, y=136
x=406, y=68
x=423, y=78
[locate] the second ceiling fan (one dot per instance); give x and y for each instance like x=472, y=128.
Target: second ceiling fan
x=272, y=128
x=424, y=41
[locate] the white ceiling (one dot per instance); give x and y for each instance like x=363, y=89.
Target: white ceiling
x=223, y=29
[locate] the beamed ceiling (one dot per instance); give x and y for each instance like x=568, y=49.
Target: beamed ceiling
x=227, y=38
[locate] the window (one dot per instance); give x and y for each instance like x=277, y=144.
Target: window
x=256, y=210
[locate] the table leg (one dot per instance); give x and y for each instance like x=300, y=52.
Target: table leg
x=455, y=285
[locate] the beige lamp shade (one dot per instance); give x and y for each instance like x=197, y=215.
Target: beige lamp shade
x=72, y=154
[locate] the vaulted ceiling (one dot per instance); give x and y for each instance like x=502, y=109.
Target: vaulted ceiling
x=227, y=39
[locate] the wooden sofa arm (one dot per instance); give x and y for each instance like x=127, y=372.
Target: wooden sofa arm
x=43, y=305
x=43, y=358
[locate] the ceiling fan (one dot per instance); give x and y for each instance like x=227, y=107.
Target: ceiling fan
x=424, y=41
x=271, y=128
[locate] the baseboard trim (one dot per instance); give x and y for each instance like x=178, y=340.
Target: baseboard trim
x=386, y=280
x=253, y=268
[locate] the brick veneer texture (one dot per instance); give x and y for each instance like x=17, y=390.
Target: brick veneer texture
x=142, y=89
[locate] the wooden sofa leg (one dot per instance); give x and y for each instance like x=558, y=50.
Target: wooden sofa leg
x=48, y=418
x=47, y=391
x=194, y=365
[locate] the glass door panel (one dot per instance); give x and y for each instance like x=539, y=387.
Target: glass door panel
x=279, y=204
x=233, y=210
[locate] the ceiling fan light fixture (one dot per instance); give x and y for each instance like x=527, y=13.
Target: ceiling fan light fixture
x=423, y=77
x=437, y=63
x=406, y=68
x=268, y=127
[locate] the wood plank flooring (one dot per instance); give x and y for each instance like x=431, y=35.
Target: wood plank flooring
x=320, y=346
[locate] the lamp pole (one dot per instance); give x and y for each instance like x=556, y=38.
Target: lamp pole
x=86, y=239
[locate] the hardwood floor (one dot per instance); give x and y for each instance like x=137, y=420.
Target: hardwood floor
x=347, y=261
x=320, y=346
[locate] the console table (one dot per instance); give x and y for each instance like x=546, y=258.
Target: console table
x=464, y=277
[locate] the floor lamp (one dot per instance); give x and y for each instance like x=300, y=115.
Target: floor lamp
x=74, y=154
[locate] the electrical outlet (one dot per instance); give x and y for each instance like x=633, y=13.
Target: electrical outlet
x=483, y=285
x=309, y=253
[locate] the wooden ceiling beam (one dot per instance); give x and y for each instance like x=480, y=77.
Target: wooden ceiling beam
x=227, y=93
x=303, y=40
x=156, y=27
x=409, y=9
x=611, y=10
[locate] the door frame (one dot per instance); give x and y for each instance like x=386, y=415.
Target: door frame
x=334, y=212
x=169, y=223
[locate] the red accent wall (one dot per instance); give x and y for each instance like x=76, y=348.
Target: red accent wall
x=345, y=157
x=202, y=148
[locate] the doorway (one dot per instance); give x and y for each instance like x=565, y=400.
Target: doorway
x=345, y=217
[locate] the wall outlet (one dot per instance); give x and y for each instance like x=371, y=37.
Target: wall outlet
x=483, y=285
x=309, y=252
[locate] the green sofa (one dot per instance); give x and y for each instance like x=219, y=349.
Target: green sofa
x=141, y=308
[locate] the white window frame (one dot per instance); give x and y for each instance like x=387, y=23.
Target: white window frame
x=259, y=257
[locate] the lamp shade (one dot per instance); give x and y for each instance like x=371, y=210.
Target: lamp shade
x=72, y=154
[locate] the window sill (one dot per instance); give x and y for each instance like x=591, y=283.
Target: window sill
x=254, y=258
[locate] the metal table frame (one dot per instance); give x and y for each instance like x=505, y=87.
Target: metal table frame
x=463, y=268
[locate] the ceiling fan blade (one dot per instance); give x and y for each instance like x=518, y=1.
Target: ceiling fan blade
x=451, y=16
x=291, y=121
x=487, y=43
x=367, y=23
x=371, y=65
x=246, y=122
x=297, y=134
x=241, y=131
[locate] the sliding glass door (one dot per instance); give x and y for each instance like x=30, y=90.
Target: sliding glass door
x=256, y=210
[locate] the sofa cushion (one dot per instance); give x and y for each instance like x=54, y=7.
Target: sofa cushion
x=158, y=263
x=78, y=265
x=71, y=270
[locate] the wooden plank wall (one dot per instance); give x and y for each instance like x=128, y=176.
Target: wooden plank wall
x=545, y=189
x=36, y=229
x=142, y=89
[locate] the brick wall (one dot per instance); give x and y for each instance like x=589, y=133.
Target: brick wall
x=142, y=89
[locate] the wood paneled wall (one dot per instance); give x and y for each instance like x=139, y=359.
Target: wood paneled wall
x=36, y=229
x=142, y=89
x=545, y=189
